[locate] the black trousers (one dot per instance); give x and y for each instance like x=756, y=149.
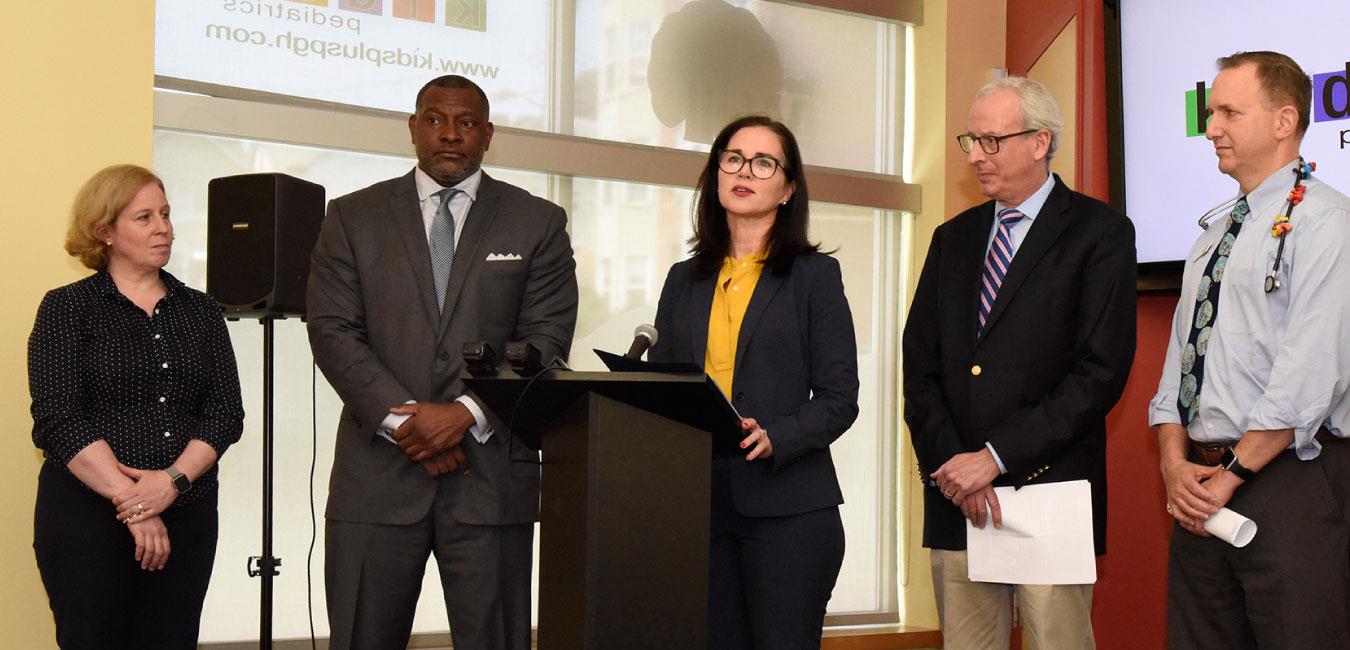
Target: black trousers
x=100, y=597
x=1289, y=588
x=770, y=578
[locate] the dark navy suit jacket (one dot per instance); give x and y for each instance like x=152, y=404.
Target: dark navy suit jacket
x=1052, y=360
x=796, y=373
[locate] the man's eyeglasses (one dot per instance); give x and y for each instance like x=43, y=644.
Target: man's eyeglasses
x=761, y=167
x=989, y=143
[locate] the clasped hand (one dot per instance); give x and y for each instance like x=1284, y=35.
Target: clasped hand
x=1196, y=492
x=967, y=481
x=431, y=436
x=139, y=506
x=149, y=496
x=152, y=542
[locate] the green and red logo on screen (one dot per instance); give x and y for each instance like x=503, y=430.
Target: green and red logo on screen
x=1330, y=101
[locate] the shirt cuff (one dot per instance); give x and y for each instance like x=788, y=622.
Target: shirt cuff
x=1163, y=410
x=997, y=461
x=392, y=422
x=480, y=430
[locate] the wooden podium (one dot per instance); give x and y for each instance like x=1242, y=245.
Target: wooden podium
x=623, y=561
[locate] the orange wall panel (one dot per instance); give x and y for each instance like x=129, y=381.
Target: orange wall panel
x=1129, y=603
x=1129, y=606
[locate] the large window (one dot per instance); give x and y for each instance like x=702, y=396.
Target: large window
x=629, y=209
x=672, y=73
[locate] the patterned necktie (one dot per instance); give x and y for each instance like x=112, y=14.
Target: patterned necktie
x=442, y=245
x=1202, y=322
x=996, y=263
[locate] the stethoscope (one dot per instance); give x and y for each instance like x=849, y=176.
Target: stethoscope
x=1302, y=171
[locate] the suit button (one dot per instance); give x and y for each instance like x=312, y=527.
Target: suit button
x=740, y=395
x=443, y=356
x=976, y=370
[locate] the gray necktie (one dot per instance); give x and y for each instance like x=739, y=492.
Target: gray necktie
x=442, y=245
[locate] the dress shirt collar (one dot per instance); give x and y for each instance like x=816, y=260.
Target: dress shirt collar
x=426, y=186
x=105, y=285
x=1032, y=206
x=1270, y=194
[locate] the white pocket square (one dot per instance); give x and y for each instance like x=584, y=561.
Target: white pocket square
x=502, y=257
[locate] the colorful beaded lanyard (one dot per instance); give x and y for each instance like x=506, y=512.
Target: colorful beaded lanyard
x=1302, y=171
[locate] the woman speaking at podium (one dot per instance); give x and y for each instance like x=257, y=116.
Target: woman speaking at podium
x=135, y=397
x=764, y=312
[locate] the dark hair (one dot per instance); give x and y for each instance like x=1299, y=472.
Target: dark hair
x=1283, y=82
x=711, y=241
x=454, y=81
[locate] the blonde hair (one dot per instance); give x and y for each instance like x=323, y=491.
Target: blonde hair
x=97, y=205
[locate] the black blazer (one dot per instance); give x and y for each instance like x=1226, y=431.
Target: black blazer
x=1052, y=360
x=796, y=373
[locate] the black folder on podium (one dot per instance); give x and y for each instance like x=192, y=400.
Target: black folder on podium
x=625, y=498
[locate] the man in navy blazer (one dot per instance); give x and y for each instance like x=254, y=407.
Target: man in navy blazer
x=420, y=467
x=1018, y=343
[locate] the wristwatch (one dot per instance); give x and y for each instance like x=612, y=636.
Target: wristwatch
x=180, y=480
x=1230, y=462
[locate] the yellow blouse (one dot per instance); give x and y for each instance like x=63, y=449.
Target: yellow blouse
x=735, y=284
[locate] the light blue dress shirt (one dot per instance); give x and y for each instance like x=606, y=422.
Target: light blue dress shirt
x=1030, y=208
x=1277, y=360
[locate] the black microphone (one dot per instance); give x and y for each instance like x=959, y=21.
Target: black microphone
x=525, y=359
x=480, y=359
x=643, y=337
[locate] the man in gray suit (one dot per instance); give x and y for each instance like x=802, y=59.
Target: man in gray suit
x=404, y=272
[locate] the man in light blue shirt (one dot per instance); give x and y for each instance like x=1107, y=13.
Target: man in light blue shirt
x=1252, y=406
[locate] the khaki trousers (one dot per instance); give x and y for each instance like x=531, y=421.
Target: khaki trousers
x=978, y=615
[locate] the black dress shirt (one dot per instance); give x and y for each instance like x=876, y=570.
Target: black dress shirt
x=99, y=368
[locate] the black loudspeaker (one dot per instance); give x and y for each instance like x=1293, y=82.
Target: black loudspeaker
x=261, y=229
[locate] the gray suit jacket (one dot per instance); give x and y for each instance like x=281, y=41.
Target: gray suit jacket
x=380, y=341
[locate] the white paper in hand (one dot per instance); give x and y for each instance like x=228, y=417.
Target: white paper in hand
x=1046, y=538
x=1231, y=527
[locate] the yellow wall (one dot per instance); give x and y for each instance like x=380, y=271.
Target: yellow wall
x=959, y=44
x=976, y=43
x=78, y=80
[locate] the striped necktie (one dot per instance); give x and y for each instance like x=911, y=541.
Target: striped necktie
x=442, y=245
x=1202, y=321
x=996, y=263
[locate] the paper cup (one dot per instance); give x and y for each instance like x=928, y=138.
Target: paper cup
x=1231, y=527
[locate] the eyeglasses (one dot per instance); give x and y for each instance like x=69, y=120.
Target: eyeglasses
x=761, y=167
x=990, y=143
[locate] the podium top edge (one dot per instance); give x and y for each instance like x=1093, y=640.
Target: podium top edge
x=582, y=376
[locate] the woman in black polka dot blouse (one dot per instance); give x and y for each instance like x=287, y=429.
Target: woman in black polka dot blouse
x=135, y=398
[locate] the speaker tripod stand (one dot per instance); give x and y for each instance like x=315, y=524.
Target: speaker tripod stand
x=265, y=566
x=260, y=231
